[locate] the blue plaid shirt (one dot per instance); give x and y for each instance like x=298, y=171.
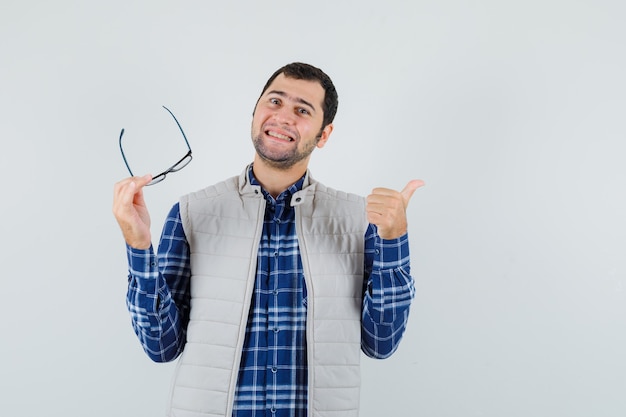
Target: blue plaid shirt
x=273, y=372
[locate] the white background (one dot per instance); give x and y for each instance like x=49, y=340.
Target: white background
x=513, y=112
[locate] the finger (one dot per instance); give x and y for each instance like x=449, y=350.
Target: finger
x=127, y=190
x=375, y=208
x=139, y=181
x=410, y=188
x=374, y=217
x=380, y=191
x=135, y=184
x=142, y=181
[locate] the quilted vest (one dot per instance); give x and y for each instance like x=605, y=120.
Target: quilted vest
x=223, y=225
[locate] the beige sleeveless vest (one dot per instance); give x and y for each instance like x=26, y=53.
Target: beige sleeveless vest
x=223, y=225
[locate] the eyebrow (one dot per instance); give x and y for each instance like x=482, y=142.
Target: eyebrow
x=297, y=99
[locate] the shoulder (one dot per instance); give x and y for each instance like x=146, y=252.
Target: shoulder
x=227, y=186
x=329, y=202
x=324, y=192
x=233, y=187
x=333, y=209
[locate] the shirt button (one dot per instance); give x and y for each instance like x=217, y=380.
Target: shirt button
x=277, y=221
x=276, y=253
x=275, y=292
x=273, y=410
x=274, y=369
x=276, y=329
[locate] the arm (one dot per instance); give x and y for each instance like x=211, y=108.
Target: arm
x=158, y=292
x=158, y=286
x=389, y=289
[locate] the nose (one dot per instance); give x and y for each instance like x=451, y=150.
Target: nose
x=284, y=116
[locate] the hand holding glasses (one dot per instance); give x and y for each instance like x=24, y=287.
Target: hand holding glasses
x=182, y=163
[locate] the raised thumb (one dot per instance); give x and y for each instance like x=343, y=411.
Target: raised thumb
x=410, y=188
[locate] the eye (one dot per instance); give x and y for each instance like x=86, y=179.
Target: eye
x=274, y=101
x=303, y=111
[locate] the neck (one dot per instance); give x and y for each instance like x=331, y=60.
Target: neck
x=276, y=180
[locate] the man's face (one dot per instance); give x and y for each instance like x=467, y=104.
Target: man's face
x=287, y=121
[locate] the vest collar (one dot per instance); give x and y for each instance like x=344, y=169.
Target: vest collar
x=245, y=187
x=299, y=197
x=307, y=192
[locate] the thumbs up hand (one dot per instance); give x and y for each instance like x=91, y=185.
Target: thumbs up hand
x=386, y=209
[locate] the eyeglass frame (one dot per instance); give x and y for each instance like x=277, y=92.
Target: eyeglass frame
x=182, y=163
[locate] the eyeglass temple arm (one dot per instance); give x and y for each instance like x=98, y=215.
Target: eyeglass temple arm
x=124, y=156
x=179, y=126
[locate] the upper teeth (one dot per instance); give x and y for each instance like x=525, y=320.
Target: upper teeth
x=279, y=136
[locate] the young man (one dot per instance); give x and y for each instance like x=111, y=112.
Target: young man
x=270, y=284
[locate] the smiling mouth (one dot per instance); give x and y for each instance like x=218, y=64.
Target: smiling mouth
x=280, y=136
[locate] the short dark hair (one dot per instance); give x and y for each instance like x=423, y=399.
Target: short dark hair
x=302, y=71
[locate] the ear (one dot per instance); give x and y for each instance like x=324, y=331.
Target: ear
x=325, y=134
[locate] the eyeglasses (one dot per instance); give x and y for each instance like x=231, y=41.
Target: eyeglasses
x=182, y=163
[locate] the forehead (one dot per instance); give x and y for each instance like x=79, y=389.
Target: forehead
x=308, y=90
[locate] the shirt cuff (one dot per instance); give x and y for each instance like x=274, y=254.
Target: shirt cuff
x=392, y=253
x=142, y=263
